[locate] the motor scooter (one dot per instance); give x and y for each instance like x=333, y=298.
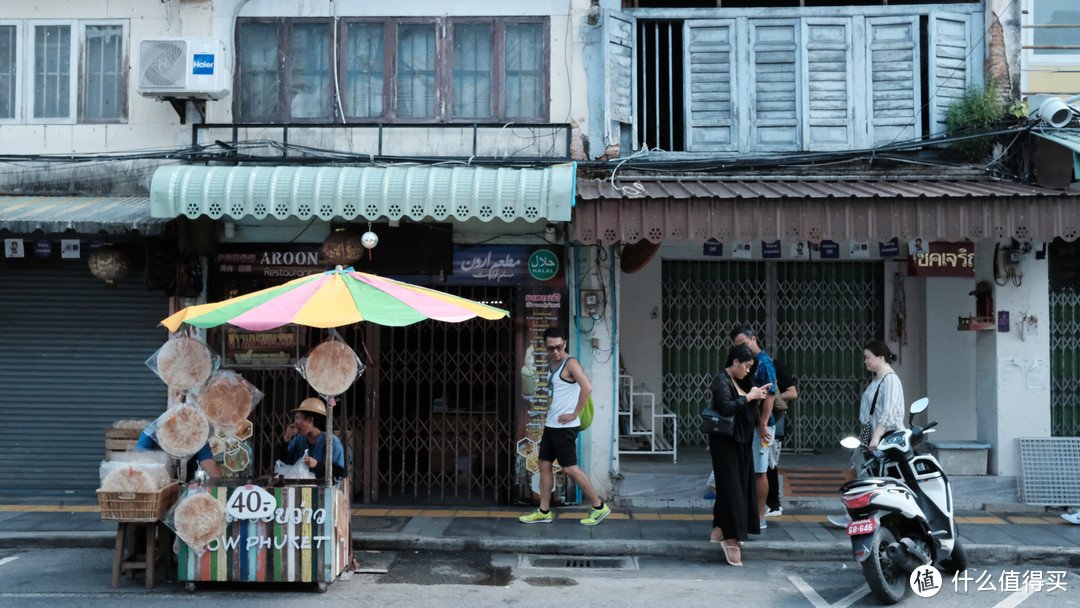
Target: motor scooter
x=901, y=511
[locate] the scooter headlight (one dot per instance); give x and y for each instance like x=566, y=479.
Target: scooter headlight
x=858, y=501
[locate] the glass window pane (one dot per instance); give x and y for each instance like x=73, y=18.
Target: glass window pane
x=310, y=79
x=52, y=71
x=364, y=70
x=524, y=70
x=258, y=59
x=1056, y=12
x=103, y=93
x=472, y=71
x=8, y=61
x=416, y=71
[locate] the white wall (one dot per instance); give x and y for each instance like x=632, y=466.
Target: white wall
x=1011, y=403
x=949, y=358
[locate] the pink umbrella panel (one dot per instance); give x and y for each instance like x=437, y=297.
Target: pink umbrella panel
x=332, y=299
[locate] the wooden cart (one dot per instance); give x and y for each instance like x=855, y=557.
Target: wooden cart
x=306, y=540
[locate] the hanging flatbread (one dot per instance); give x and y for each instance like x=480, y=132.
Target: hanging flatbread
x=331, y=368
x=183, y=431
x=227, y=400
x=184, y=363
x=198, y=519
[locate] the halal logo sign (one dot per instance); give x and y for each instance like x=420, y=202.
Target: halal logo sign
x=543, y=265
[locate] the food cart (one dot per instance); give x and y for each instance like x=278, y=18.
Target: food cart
x=304, y=537
x=300, y=532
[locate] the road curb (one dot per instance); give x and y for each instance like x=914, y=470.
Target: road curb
x=979, y=555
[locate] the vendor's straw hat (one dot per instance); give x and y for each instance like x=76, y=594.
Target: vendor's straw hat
x=313, y=405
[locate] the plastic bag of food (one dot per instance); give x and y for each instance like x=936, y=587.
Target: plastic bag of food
x=184, y=363
x=182, y=430
x=331, y=367
x=297, y=470
x=117, y=476
x=197, y=518
x=227, y=399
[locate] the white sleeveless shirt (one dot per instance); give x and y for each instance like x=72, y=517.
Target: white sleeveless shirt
x=564, y=398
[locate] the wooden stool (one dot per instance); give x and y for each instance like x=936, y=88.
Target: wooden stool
x=127, y=559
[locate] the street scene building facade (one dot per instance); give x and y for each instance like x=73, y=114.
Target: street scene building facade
x=646, y=174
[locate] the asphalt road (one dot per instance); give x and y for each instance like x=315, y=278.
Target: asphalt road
x=59, y=578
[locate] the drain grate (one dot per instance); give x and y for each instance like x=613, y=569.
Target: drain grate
x=578, y=562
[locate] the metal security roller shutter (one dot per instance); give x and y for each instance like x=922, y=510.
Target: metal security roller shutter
x=71, y=364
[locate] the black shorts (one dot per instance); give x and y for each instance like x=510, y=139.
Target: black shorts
x=559, y=444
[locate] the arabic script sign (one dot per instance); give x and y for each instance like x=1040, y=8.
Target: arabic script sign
x=943, y=260
x=506, y=265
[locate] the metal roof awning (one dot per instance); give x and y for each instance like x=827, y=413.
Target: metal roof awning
x=83, y=214
x=367, y=193
x=745, y=210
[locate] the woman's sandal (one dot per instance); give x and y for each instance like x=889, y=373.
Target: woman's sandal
x=738, y=554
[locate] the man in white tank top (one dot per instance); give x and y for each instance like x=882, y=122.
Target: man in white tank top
x=569, y=389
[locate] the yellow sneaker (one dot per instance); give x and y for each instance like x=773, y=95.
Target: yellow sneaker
x=596, y=516
x=536, y=517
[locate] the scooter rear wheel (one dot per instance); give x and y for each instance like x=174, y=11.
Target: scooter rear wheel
x=887, y=580
x=956, y=561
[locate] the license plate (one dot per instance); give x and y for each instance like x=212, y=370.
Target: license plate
x=863, y=526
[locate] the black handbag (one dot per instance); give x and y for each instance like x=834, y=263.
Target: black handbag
x=713, y=423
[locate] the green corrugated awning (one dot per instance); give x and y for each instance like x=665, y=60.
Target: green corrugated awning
x=368, y=193
x=1070, y=138
x=83, y=214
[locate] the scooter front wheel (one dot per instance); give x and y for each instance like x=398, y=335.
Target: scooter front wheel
x=887, y=579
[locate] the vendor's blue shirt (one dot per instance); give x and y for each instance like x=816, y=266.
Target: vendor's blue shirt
x=296, y=447
x=765, y=373
x=148, y=441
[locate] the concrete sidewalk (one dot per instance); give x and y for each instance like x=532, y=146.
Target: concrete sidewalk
x=798, y=535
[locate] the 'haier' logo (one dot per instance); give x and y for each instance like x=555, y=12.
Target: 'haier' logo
x=203, y=64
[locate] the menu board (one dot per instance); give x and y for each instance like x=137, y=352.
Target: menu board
x=544, y=308
x=272, y=348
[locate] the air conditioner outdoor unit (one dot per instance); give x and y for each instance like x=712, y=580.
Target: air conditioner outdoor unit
x=192, y=68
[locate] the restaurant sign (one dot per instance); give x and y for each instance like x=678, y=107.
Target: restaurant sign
x=944, y=260
x=507, y=265
x=277, y=347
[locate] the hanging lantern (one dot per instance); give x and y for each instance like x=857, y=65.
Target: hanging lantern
x=342, y=247
x=370, y=239
x=110, y=264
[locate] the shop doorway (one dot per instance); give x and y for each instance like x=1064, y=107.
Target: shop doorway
x=815, y=317
x=439, y=428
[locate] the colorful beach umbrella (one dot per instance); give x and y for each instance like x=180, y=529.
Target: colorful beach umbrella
x=332, y=299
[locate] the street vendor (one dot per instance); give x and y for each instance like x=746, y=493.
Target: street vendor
x=148, y=441
x=308, y=432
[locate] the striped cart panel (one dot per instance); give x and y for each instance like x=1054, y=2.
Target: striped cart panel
x=301, y=542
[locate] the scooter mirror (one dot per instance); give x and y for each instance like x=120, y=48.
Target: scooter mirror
x=850, y=442
x=920, y=405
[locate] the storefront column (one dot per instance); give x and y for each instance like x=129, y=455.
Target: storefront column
x=593, y=342
x=1012, y=380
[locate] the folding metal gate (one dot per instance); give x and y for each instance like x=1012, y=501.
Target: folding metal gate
x=815, y=317
x=444, y=408
x=1064, y=339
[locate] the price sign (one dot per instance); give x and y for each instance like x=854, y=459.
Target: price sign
x=251, y=502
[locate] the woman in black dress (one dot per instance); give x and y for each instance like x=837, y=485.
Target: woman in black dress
x=735, y=512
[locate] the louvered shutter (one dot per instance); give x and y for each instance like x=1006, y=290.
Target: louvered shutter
x=893, y=99
x=828, y=77
x=709, y=85
x=952, y=63
x=775, y=107
x=619, y=95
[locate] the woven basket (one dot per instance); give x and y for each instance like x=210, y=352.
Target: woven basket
x=137, y=506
